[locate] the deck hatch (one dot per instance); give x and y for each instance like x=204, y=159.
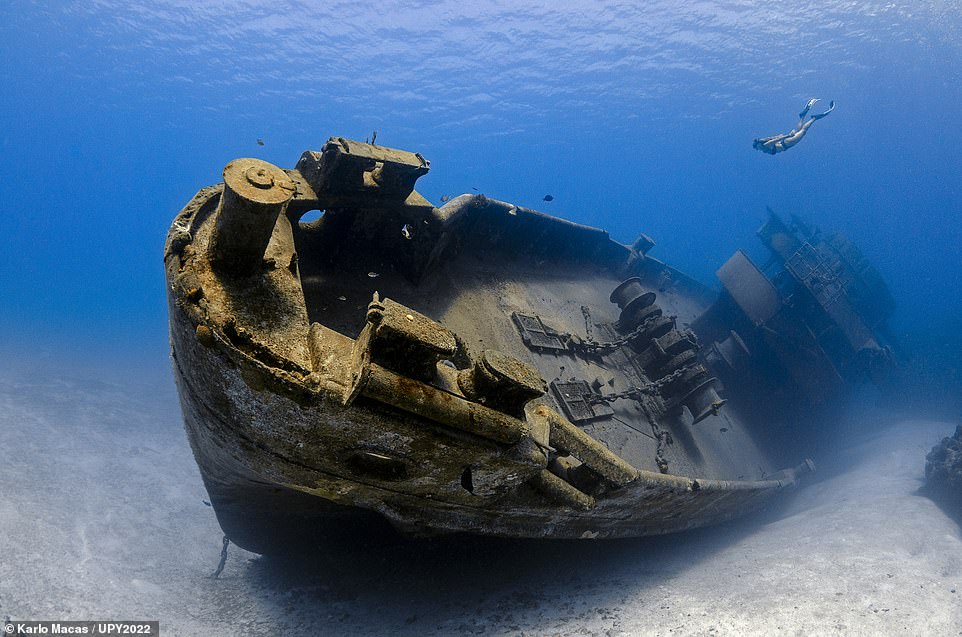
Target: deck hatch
x=535, y=334
x=575, y=399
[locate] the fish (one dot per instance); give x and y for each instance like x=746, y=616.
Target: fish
x=548, y=198
x=260, y=142
x=445, y=198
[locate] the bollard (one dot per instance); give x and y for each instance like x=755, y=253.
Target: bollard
x=255, y=193
x=502, y=382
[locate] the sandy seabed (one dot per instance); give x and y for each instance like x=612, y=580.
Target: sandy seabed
x=102, y=516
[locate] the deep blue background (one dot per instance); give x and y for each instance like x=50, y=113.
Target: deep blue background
x=634, y=118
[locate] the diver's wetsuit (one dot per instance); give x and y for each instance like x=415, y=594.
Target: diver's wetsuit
x=779, y=143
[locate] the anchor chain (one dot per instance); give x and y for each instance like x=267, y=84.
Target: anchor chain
x=590, y=346
x=586, y=312
x=664, y=440
x=635, y=393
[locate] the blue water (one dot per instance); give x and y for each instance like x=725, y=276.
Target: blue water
x=636, y=117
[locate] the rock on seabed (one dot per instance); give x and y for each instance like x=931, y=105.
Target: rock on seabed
x=943, y=467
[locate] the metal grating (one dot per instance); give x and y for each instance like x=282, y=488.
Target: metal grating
x=574, y=397
x=817, y=273
x=534, y=333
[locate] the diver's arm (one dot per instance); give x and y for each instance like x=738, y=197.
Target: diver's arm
x=768, y=140
x=770, y=145
x=791, y=140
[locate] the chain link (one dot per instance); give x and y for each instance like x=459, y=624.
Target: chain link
x=586, y=312
x=590, y=346
x=635, y=393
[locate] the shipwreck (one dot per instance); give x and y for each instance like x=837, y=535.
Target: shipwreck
x=346, y=351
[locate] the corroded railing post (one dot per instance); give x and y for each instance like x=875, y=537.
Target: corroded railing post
x=255, y=193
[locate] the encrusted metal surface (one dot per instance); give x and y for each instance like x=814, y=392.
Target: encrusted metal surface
x=395, y=358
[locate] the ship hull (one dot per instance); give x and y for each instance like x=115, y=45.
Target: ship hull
x=476, y=368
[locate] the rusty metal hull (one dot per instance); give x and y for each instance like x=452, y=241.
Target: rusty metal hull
x=240, y=454
x=372, y=365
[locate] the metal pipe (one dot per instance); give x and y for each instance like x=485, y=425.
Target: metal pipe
x=560, y=491
x=448, y=409
x=564, y=435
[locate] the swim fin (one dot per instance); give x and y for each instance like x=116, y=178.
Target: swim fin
x=831, y=107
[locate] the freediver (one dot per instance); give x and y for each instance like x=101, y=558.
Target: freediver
x=779, y=143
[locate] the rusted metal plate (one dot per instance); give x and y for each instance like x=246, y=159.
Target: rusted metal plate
x=750, y=289
x=819, y=271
